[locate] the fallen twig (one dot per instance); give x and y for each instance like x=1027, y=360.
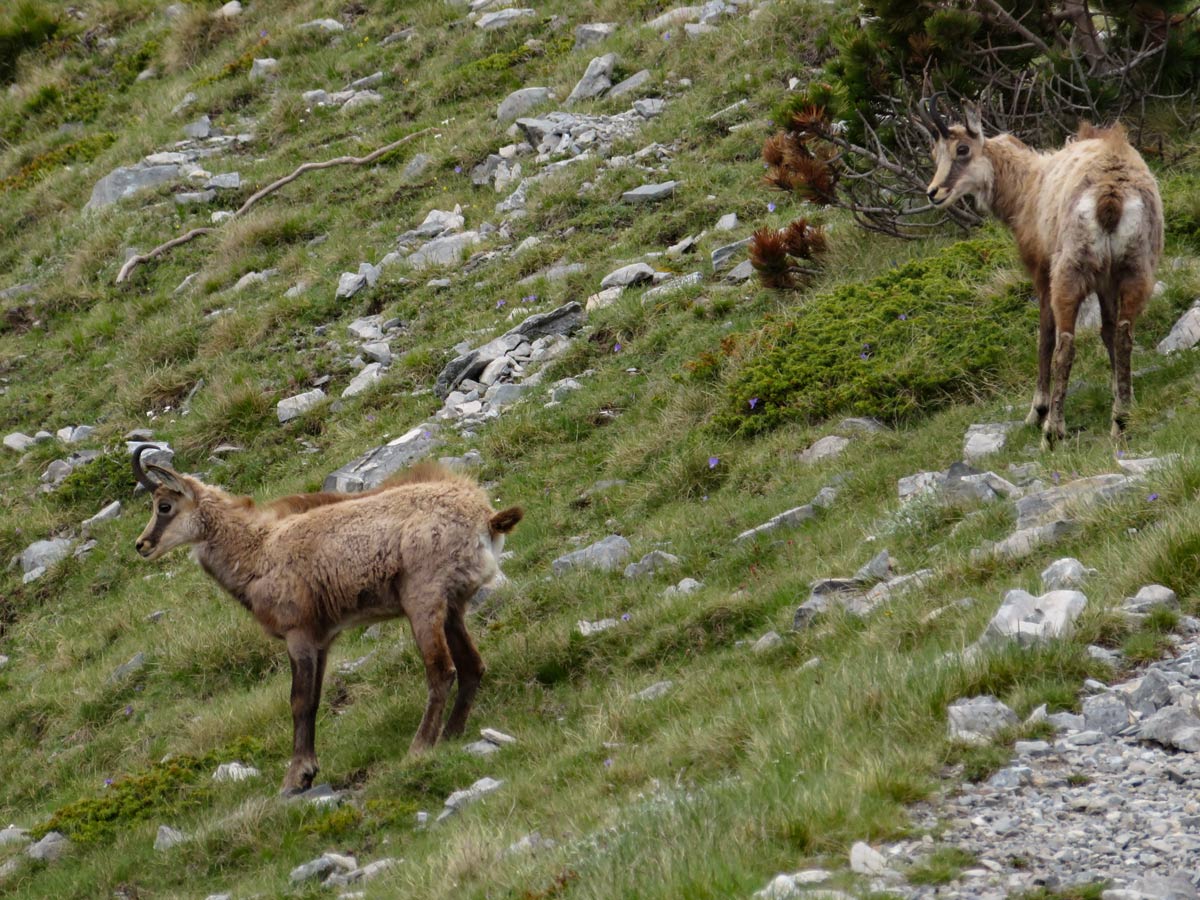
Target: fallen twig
x=134, y=261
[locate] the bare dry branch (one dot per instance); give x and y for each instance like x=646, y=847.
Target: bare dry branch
x=134, y=261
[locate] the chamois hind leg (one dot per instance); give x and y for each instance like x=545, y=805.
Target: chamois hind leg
x=470, y=670
x=1041, y=397
x=1132, y=294
x=427, y=617
x=308, y=672
x=1066, y=295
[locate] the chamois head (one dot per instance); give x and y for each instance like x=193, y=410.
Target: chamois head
x=174, y=499
x=959, y=164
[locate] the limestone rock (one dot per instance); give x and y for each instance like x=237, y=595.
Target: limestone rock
x=126, y=180
x=626, y=276
x=976, y=720
x=375, y=466
x=826, y=448
x=596, y=79
x=605, y=555
x=293, y=407
x=1028, y=620
x=168, y=837
x=651, y=564
x=650, y=193
x=984, y=440
x=522, y=102
x=1185, y=334
x=1065, y=574
x=503, y=18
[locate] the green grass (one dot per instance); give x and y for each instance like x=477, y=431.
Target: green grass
x=752, y=764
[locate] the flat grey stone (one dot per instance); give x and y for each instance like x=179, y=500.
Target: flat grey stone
x=311, y=870
x=1106, y=713
x=503, y=18
x=198, y=129
x=592, y=33
x=264, y=69
x=375, y=466
x=767, y=642
x=741, y=273
x=606, y=555
x=651, y=564
x=650, y=193
x=367, y=377
x=791, y=518
x=416, y=167
x=447, y=250
x=107, y=514
x=18, y=442
x=1185, y=334
x=520, y=103
x=866, y=860
x=44, y=554
x=557, y=323
x=13, y=835
x=656, y=691
x=634, y=82
x=674, y=286
x=1026, y=620
x=723, y=256
x=627, y=276
x=50, y=848
x=195, y=198
x=168, y=837
x=361, y=99
x=124, y=181
x=1173, y=727
x=976, y=720
x=235, y=771
x=1065, y=573
x=225, y=181
x=330, y=25
x=135, y=664
x=826, y=448
x=366, y=81
x=984, y=440
x=597, y=79
x=685, y=586
x=1052, y=504
x=476, y=791
x=1151, y=597
x=293, y=407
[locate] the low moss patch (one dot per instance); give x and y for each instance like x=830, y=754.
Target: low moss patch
x=923, y=336
x=134, y=798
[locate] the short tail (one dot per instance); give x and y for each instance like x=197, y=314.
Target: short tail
x=506, y=520
x=1109, y=206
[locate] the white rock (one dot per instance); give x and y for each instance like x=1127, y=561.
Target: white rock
x=503, y=18
x=480, y=788
x=19, y=442
x=866, y=860
x=235, y=771
x=1185, y=334
x=604, y=298
x=330, y=25
x=497, y=737
x=983, y=440
x=655, y=691
x=976, y=720
x=108, y=513
x=367, y=377
x=168, y=837
x=826, y=448
x=1065, y=573
x=230, y=10
x=1028, y=620
x=587, y=629
x=262, y=69
x=293, y=407
x=634, y=273
x=768, y=641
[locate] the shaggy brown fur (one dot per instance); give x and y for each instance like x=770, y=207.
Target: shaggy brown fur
x=1087, y=219
x=309, y=566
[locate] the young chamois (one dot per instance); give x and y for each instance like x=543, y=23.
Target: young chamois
x=1086, y=218
x=309, y=566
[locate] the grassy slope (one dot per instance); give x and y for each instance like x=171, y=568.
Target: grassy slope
x=750, y=765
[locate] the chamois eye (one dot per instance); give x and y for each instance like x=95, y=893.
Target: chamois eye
x=164, y=508
x=963, y=149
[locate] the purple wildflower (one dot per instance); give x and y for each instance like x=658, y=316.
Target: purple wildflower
x=1152, y=497
x=625, y=617
x=458, y=170
x=1054, y=476
x=770, y=207
x=500, y=303
x=1120, y=454
x=903, y=317
x=616, y=348
x=108, y=782
x=608, y=763
x=713, y=461
x=753, y=402
x=666, y=35
x=129, y=710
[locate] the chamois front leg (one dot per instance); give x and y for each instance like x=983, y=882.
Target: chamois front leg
x=470, y=671
x=427, y=620
x=308, y=672
x=1041, y=397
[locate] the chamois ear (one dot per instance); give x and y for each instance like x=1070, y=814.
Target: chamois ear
x=972, y=120
x=171, y=480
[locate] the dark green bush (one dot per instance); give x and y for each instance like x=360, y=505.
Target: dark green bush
x=27, y=25
x=921, y=337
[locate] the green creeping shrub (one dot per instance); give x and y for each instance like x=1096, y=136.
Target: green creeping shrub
x=489, y=73
x=134, y=798
x=916, y=339
x=41, y=166
x=105, y=479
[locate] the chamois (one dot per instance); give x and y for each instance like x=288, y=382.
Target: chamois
x=1086, y=218
x=311, y=565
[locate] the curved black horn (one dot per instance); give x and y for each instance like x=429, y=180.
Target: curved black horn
x=935, y=114
x=138, y=472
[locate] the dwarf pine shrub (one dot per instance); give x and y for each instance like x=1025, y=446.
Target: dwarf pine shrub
x=916, y=339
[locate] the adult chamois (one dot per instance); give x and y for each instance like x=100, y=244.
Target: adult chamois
x=1087, y=218
x=311, y=565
